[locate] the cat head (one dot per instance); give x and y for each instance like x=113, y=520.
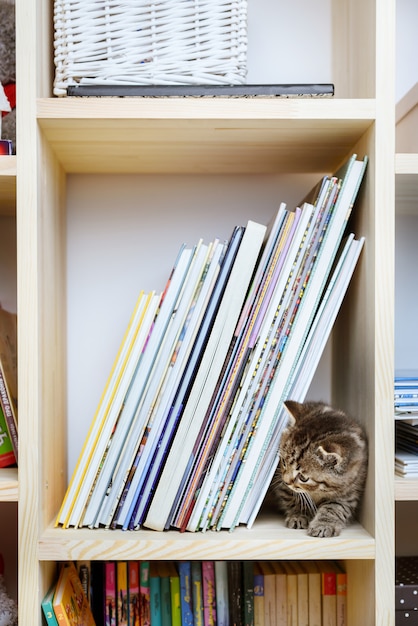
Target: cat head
x=322, y=451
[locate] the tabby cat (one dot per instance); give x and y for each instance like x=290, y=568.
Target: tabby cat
x=322, y=468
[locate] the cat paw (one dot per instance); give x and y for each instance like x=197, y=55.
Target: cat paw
x=319, y=529
x=297, y=521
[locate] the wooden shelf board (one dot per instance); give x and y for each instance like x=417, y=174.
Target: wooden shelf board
x=406, y=488
x=7, y=185
x=182, y=135
x=406, y=197
x=268, y=539
x=8, y=484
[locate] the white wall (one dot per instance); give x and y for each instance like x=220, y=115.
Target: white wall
x=289, y=42
x=406, y=46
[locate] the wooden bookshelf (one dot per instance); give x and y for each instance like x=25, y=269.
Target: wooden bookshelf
x=68, y=137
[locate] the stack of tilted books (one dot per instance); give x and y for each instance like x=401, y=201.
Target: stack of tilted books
x=187, y=430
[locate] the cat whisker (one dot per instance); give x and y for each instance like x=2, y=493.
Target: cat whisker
x=306, y=503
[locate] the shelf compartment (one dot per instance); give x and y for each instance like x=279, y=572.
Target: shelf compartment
x=212, y=136
x=7, y=185
x=8, y=484
x=268, y=539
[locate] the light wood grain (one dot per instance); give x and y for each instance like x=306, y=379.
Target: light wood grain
x=180, y=135
x=8, y=484
x=406, y=489
x=268, y=539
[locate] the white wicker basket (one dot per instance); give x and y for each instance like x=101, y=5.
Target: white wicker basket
x=149, y=43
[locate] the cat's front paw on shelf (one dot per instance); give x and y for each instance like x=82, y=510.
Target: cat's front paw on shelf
x=297, y=521
x=323, y=529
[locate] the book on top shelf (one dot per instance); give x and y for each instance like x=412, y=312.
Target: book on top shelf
x=8, y=375
x=302, y=90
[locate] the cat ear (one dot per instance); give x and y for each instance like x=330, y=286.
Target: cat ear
x=294, y=410
x=330, y=453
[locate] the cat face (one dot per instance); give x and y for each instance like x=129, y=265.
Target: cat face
x=310, y=468
x=321, y=451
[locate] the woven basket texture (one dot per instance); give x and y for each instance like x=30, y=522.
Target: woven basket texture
x=149, y=43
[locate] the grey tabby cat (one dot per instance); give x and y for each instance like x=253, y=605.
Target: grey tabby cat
x=322, y=469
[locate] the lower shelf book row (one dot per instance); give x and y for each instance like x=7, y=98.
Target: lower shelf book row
x=198, y=593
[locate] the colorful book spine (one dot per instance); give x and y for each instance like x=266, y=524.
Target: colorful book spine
x=155, y=595
x=222, y=592
x=110, y=593
x=248, y=592
x=209, y=593
x=341, y=597
x=197, y=592
x=133, y=593
x=185, y=573
x=175, y=596
x=329, y=595
x=122, y=593
x=8, y=412
x=83, y=568
x=144, y=592
x=258, y=596
x=7, y=456
x=163, y=570
x=48, y=608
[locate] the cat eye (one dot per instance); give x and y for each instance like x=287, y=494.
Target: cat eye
x=302, y=478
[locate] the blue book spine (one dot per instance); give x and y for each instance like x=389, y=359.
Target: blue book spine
x=185, y=572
